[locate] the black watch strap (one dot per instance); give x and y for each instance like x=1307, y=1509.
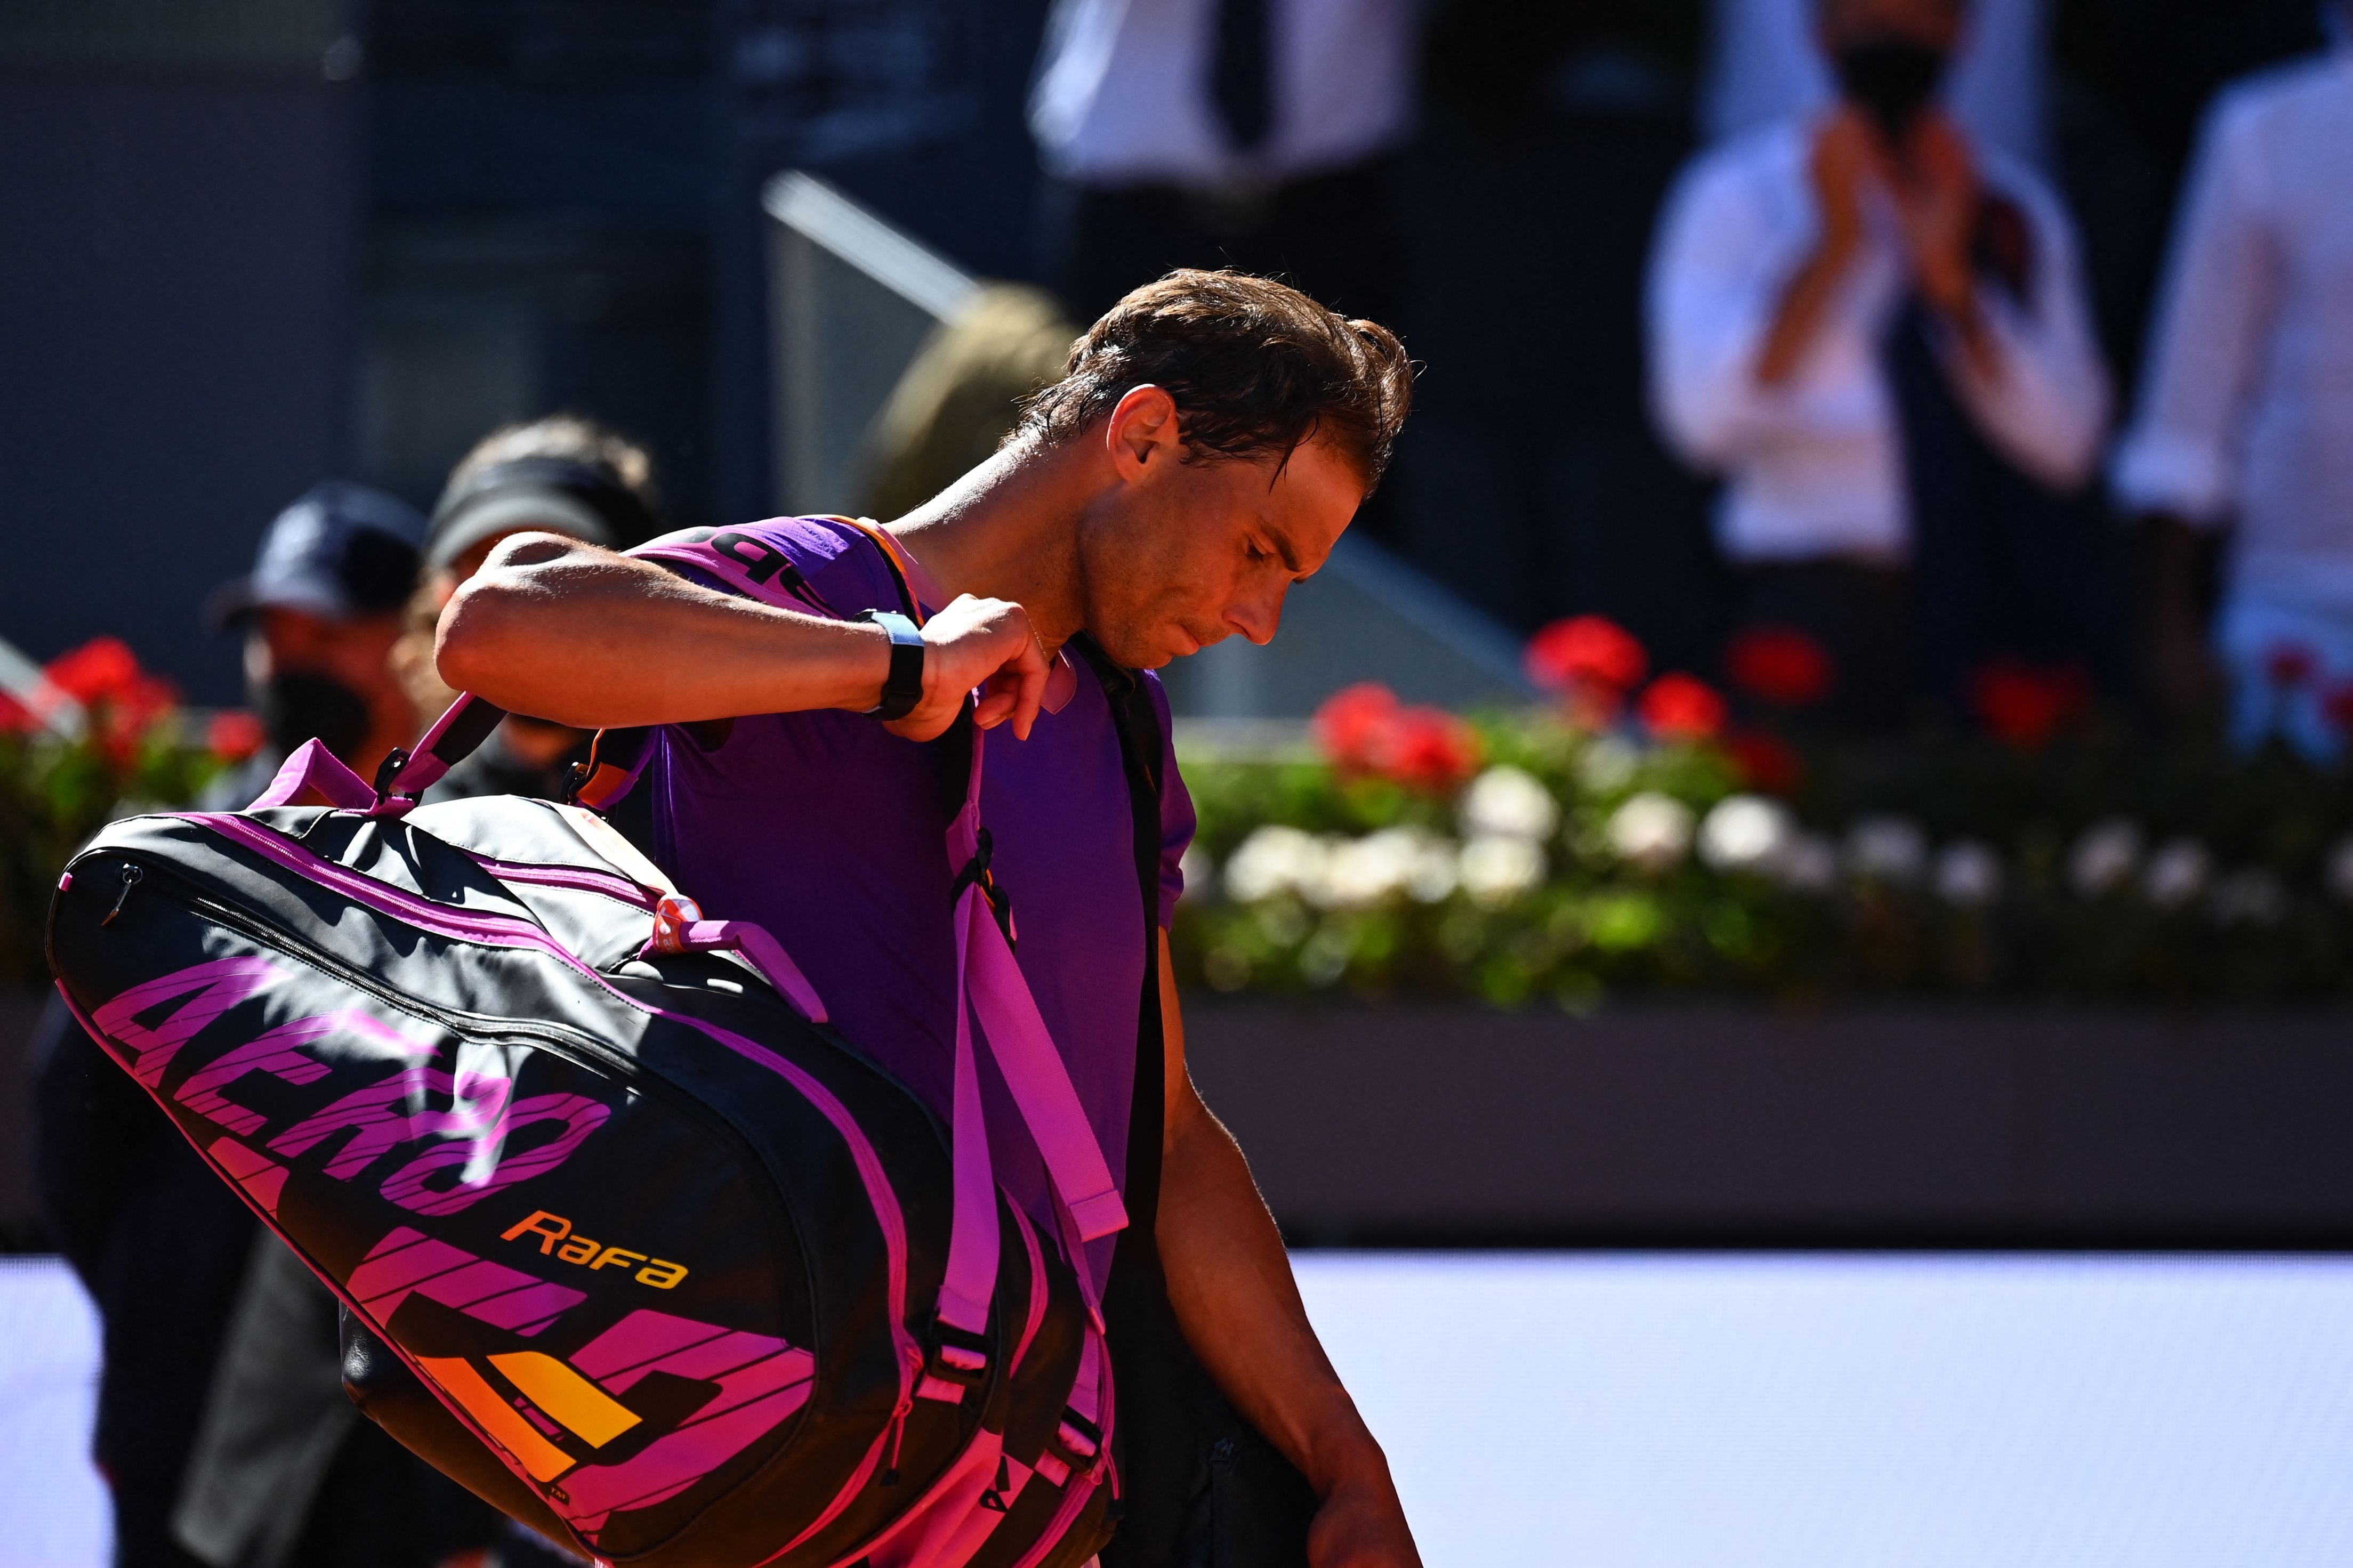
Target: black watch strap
x=903, y=686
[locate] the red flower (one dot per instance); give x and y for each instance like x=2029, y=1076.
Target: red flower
x=101, y=670
x=104, y=677
x=1779, y=665
x=1767, y=763
x=1681, y=708
x=1586, y=650
x=2289, y=664
x=1430, y=749
x=1364, y=729
x=2337, y=704
x=2024, y=706
x=1354, y=723
x=14, y=716
x=234, y=735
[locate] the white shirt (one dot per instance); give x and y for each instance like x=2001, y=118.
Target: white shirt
x=2246, y=407
x=1815, y=464
x=1123, y=91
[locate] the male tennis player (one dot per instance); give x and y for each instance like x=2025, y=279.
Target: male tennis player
x=1212, y=437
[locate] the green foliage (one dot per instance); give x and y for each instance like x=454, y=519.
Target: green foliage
x=54, y=794
x=2268, y=917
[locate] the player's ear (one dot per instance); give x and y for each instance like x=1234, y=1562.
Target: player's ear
x=1141, y=433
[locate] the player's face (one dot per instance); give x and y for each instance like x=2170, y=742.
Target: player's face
x=1197, y=561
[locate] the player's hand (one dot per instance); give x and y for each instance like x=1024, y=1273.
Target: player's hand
x=1362, y=1525
x=983, y=643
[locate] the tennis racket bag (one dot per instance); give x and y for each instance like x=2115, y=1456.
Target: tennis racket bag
x=634, y=1245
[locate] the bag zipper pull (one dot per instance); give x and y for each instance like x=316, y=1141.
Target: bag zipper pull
x=898, y=1436
x=131, y=876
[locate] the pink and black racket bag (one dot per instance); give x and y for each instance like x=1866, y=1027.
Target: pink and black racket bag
x=631, y=1242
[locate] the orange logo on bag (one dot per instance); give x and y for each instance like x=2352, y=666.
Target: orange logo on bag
x=552, y=1228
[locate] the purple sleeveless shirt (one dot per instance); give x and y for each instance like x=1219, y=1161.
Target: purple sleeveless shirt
x=827, y=829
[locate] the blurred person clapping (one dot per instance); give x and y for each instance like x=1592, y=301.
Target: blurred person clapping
x=1877, y=332
x=2242, y=443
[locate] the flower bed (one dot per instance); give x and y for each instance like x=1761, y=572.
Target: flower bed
x=1634, y=839
x=100, y=739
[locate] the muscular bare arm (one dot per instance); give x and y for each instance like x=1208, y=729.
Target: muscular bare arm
x=566, y=631
x=1230, y=1282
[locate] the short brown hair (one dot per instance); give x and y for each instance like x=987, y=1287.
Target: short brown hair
x=1255, y=366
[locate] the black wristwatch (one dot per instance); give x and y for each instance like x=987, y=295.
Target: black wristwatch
x=903, y=686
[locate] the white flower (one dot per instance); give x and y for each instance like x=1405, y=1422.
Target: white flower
x=2105, y=857
x=2177, y=873
x=1200, y=874
x=1435, y=870
x=1969, y=873
x=1358, y=873
x=1607, y=764
x=1807, y=864
x=1274, y=859
x=1495, y=869
x=1510, y=803
x=1746, y=833
x=1887, y=849
x=2250, y=895
x=2339, y=872
x=1651, y=829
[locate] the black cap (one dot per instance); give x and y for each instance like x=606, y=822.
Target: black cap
x=545, y=495
x=343, y=550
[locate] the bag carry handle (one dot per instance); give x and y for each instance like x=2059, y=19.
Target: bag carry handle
x=312, y=767
x=406, y=774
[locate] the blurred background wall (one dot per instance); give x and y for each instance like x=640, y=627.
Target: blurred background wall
x=151, y=416
x=401, y=222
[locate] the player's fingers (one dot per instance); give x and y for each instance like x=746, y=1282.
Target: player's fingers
x=1029, y=672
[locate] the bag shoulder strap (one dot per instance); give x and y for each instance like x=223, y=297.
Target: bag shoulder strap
x=1143, y=758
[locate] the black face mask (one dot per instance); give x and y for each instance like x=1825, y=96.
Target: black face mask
x=1892, y=79
x=300, y=705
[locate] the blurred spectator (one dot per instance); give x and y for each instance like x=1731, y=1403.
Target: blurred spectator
x=564, y=474
x=1257, y=134
x=320, y=611
x=2245, y=430
x=222, y=1427
x=1876, y=332
x=957, y=400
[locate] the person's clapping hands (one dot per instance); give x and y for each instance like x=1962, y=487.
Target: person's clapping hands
x=1936, y=195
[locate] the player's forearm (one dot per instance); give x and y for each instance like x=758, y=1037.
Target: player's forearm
x=565, y=631
x=1230, y=1283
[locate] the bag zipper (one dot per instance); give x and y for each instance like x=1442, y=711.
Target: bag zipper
x=573, y=878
